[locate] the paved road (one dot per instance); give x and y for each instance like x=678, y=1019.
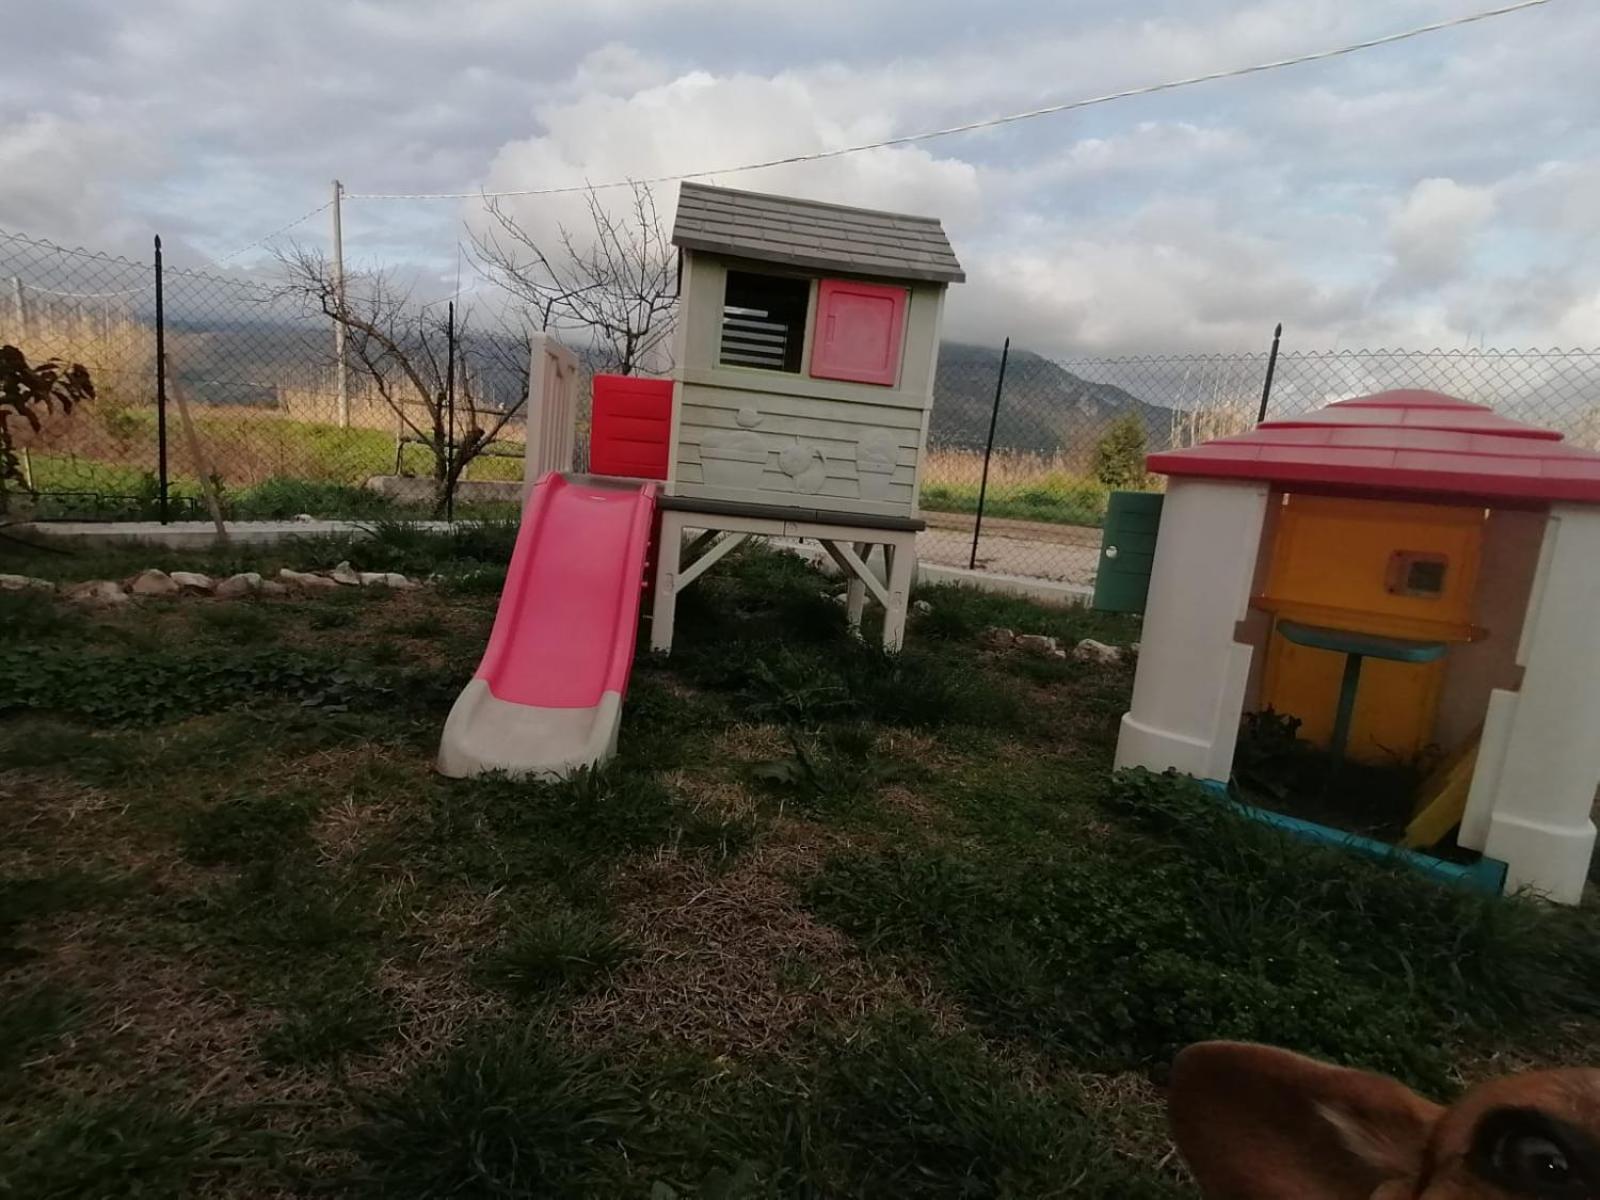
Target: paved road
x=1065, y=553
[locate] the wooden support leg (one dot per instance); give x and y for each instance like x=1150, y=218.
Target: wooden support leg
x=700, y=543
x=719, y=550
x=902, y=562
x=664, y=611
x=856, y=595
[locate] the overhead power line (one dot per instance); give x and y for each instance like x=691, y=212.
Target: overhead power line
x=987, y=123
x=928, y=135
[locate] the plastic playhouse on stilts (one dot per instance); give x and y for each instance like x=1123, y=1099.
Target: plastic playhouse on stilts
x=807, y=340
x=1402, y=573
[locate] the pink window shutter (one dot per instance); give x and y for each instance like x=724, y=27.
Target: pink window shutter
x=859, y=330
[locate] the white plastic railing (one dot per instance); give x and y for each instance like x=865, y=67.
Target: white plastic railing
x=552, y=410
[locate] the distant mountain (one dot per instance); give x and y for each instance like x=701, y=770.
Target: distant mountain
x=1044, y=408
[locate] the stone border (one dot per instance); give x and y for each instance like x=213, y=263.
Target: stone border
x=158, y=583
x=189, y=535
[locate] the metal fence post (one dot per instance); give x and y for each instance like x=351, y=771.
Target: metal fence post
x=450, y=405
x=1272, y=365
x=340, y=359
x=988, y=450
x=161, y=389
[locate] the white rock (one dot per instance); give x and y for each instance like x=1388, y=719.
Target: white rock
x=398, y=581
x=346, y=574
x=305, y=582
x=1036, y=643
x=243, y=584
x=271, y=587
x=996, y=638
x=193, y=581
x=153, y=583
x=1090, y=650
x=97, y=591
x=22, y=583
x=921, y=606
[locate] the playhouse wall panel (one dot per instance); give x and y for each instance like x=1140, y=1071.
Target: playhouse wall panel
x=764, y=448
x=1511, y=541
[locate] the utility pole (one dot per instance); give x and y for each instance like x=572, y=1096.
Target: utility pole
x=338, y=300
x=20, y=306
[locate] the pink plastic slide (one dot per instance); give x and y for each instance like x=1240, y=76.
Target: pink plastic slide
x=547, y=697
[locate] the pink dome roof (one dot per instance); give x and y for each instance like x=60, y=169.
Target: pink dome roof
x=1402, y=442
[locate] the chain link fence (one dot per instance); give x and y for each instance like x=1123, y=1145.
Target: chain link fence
x=254, y=402
x=253, y=363
x=1066, y=433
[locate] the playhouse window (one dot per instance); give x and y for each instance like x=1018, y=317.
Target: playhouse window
x=764, y=321
x=1415, y=573
x=859, y=327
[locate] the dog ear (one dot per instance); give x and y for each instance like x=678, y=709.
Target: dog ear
x=1256, y=1123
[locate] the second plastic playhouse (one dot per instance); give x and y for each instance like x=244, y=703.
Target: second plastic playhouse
x=807, y=340
x=1401, y=571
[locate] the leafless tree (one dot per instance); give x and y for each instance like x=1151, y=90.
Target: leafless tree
x=614, y=284
x=402, y=350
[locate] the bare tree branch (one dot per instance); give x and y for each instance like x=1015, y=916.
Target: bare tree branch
x=402, y=350
x=614, y=285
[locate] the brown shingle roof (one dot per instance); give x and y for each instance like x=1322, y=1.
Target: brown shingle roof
x=809, y=233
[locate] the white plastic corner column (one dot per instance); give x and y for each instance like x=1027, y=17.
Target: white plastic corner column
x=1190, y=684
x=1540, y=760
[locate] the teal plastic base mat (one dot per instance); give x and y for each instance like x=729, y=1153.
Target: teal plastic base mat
x=1485, y=875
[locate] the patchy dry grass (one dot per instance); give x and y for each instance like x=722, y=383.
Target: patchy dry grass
x=832, y=924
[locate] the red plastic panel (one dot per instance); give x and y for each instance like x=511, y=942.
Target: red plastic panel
x=630, y=428
x=859, y=330
x=1401, y=443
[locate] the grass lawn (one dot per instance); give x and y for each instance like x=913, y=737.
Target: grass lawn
x=1057, y=498
x=833, y=924
x=268, y=466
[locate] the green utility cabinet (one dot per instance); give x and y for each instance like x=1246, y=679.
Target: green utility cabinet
x=1127, y=551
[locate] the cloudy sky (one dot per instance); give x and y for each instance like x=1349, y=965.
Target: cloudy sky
x=1445, y=191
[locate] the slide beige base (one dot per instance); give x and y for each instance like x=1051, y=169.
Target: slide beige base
x=485, y=734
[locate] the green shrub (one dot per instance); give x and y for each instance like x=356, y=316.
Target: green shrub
x=1119, y=454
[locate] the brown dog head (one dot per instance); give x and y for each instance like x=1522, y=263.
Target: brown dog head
x=1255, y=1123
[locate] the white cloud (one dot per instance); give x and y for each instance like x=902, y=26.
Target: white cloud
x=58, y=178
x=1433, y=230
x=1190, y=220
x=699, y=121
x=1168, y=277
x=1580, y=324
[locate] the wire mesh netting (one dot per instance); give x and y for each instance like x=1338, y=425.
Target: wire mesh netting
x=252, y=362
x=1067, y=433
x=254, y=397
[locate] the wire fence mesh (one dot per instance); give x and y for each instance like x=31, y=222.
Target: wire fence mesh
x=252, y=371
x=253, y=362
x=1068, y=432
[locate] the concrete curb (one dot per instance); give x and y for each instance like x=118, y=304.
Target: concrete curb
x=1040, y=591
x=202, y=535
x=195, y=535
